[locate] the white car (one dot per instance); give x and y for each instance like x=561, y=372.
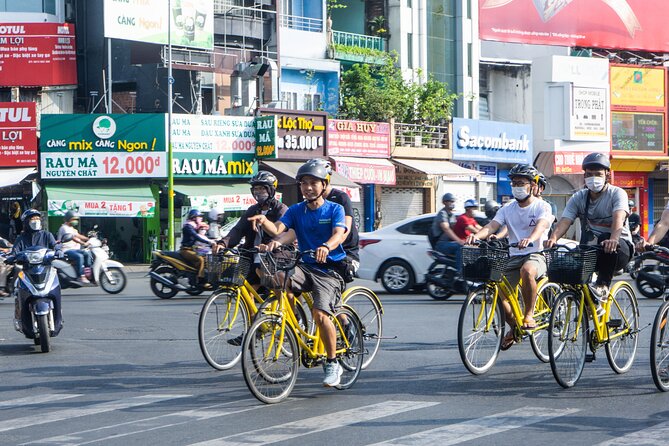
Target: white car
x=397, y=254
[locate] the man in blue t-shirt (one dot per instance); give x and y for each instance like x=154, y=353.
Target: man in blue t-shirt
x=319, y=225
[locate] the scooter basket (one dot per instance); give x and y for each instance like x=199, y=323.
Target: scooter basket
x=226, y=269
x=571, y=267
x=483, y=263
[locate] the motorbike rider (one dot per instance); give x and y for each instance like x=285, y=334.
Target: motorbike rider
x=657, y=235
x=189, y=236
x=466, y=224
x=72, y=248
x=5, y=269
x=447, y=241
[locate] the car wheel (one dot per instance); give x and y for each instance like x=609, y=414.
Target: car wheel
x=396, y=276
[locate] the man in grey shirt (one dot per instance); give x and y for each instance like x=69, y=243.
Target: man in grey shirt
x=442, y=236
x=605, y=222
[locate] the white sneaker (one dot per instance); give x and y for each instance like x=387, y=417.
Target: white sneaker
x=333, y=372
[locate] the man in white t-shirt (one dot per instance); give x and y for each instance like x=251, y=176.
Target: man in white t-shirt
x=72, y=248
x=527, y=219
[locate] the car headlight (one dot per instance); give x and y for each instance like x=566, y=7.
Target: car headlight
x=36, y=257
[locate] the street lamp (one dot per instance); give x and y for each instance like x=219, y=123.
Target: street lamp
x=170, y=175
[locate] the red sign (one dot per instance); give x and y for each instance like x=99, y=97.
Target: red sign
x=569, y=162
x=618, y=24
x=37, y=54
x=18, y=134
x=630, y=179
x=366, y=171
x=357, y=138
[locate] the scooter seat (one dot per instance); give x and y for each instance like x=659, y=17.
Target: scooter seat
x=443, y=258
x=173, y=254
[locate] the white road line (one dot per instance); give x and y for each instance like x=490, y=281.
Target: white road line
x=657, y=435
x=37, y=399
x=480, y=427
x=321, y=423
x=37, y=419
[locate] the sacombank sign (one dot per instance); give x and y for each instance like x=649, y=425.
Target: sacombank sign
x=504, y=142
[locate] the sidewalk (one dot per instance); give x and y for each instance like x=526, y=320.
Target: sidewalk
x=136, y=267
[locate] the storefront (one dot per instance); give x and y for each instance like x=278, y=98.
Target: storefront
x=103, y=167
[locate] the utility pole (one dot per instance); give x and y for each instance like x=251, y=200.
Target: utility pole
x=170, y=174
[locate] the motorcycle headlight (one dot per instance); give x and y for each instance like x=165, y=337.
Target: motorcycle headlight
x=36, y=257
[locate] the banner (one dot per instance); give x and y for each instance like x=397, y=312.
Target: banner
x=192, y=21
x=589, y=114
x=223, y=203
x=357, y=138
x=96, y=208
x=638, y=87
x=267, y=133
x=637, y=132
x=18, y=134
x=37, y=54
x=619, y=24
x=301, y=134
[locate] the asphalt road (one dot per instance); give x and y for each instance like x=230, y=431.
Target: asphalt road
x=127, y=370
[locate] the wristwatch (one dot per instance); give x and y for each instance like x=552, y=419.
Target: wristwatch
x=326, y=246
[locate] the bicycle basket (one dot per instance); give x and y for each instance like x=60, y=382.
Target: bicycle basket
x=482, y=263
x=272, y=263
x=227, y=268
x=571, y=267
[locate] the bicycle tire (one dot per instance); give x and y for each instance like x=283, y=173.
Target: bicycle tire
x=567, y=338
x=352, y=359
x=269, y=367
x=221, y=329
x=621, y=351
x=659, y=348
x=546, y=296
x=479, y=347
x=371, y=317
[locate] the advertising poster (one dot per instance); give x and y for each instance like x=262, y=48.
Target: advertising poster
x=301, y=135
x=18, y=134
x=619, y=24
x=637, y=132
x=589, y=114
x=634, y=88
x=192, y=21
x=98, y=208
x=357, y=138
x=37, y=54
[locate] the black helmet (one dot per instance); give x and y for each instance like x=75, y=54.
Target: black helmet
x=542, y=181
x=30, y=213
x=325, y=163
x=267, y=179
x=634, y=221
x=314, y=168
x=525, y=171
x=491, y=207
x=596, y=161
x=194, y=213
x=448, y=197
x=69, y=215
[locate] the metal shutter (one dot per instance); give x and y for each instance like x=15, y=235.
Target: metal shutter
x=398, y=203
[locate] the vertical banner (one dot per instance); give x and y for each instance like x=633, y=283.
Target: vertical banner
x=18, y=134
x=266, y=135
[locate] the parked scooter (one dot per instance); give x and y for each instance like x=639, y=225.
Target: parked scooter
x=105, y=272
x=170, y=273
x=442, y=279
x=37, y=311
x=652, y=278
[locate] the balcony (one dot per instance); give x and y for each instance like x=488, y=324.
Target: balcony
x=422, y=141
x=300, y=23
x=358, y=48
x=243, y=25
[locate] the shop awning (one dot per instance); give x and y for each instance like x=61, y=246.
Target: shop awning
x=12, y=177
x=221, y=197
x=637, y=163
x=365, y=170
x=437, y=167
x=97, y=201
x=287, y=170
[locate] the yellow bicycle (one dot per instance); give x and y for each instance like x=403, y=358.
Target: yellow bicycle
x=481, y=325
x=574, y=309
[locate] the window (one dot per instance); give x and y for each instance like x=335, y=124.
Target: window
x=47, y=6
x=417, y=227
x=312, y=101
x=289, y=99
x=409, y=50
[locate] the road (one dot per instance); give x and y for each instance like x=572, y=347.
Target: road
x=127, y=370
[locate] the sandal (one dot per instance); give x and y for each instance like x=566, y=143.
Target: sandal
x=508, y=341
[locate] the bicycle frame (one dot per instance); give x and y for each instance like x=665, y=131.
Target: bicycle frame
x=246, y=295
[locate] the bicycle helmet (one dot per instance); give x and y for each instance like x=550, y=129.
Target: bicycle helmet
x=69, y=215
x=30, y=213
x=525, y=171
x=596, y=161
x=325, y=163
x=267, y=179
x=314, y=168
x=542, y=181
x=471, y=203
x=491, y=207
x=194, y=213
x=448, y=197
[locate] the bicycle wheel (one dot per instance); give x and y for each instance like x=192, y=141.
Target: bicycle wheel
x=623, y=323
x=371, y=316
x=659, y=348
x=352, y=359
x=542, y=313
x=567, y=338
x=480, y=330
x=269, y=364
x=223, y=321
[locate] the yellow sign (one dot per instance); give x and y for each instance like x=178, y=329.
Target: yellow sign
x=637, y=87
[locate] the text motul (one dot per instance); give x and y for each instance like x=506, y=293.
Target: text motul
x=12, y=29
x=14, y=114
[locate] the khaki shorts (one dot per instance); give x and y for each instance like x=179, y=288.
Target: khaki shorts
x=514, y=264
x=325, y=287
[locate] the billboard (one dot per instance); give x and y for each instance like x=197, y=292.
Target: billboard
x=617, y=24
x=493, y=141
x=637, y=87
x=192, y=21
x=358, y=138
x=637, y=132
x=37, y=54
x=18, y=134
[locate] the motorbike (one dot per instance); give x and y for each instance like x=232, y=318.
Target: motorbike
x=106, y=273
x=170, y=273
x=652, y=279
x=442, y=279
x=37, y=312
x=11, y=274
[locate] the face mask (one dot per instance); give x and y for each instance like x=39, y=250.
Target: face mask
x=261, y=198
x=595, y=184
x=74, y=223
x=450, y=206
x=35, y=225
x=520, y=193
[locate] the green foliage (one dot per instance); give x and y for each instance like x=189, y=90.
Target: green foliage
x=379, y=93
x=377, y=26
x=359, y=51
x=334, y=4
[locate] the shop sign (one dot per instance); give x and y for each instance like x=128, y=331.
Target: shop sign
x=301, y=135
x=630, y=179
x=222, y=203
x=637, y=132
x=409, y=178
x=488, y=171
x=37, y=54
x=589, y=114
x=18, y=134
x=213, y=146
x=475, y=140
x=569, y=162
x=94, y=208
x=103, y=146
x=366, y=173
x=192, y=21
x=266, y=133
x=636, y=87
x=358, y=138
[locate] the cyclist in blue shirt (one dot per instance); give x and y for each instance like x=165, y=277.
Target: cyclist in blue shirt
x=318, y=225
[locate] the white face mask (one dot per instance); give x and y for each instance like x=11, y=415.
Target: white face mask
x=35, y=225
x=520, y=193
x=595, y=184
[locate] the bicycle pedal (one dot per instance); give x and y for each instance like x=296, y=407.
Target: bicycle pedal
x=614, y=323
x=590, y=357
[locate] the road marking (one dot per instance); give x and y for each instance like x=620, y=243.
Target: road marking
x=60, y=415
x=480, y=427
x=653, y=436
x=37, y=399
x=143, y=425
x=321, y=423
